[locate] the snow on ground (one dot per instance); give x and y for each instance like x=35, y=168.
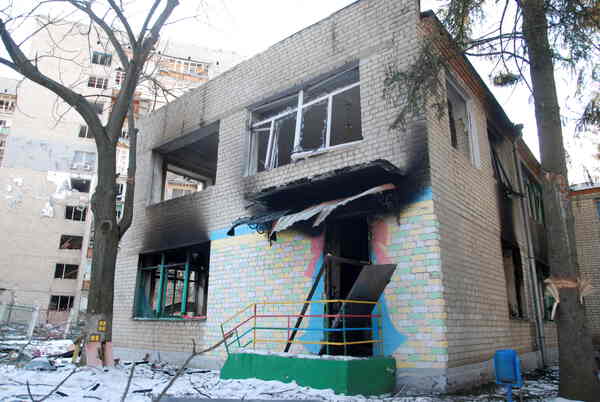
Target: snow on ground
x=150, y=379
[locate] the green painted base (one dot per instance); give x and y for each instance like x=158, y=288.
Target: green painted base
x=371, y=376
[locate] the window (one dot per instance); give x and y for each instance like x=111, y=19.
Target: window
x=98, y=107
x=317, y=118
x=534, y=197
x=4, y=123
x=513, y=274
x=60, y=303
x=174, y=283
x=596, y=201
x=77, y=213
x=84, y=132
x=104, y=59
x=120, y=191
x=83, y=160
x=187, y=168
x=66, y=271
x=69, y=242
x=120, y=77
x=463, y=137
x=7, y=105
x=178, y=185
x=119, y=209
x=97, y=82
x=81, y=185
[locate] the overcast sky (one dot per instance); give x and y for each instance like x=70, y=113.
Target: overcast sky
x=248, y=27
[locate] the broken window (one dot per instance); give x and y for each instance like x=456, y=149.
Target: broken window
x=75, y=213
x=70, y=242
x=97, y=82
x=534, y=197
x=178, y=185
x=329, y=114
x=513, y=274
x=83, y=160
x=462, y=134
x=189, y=164
x=66, y=271
x=173, y=283
x=85, y=132
x=60, y=303
x=80, y=185
x=104, y=59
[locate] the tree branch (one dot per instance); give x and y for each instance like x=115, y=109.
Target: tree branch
x=124, y=21
x=127, y=218
x=23, y=65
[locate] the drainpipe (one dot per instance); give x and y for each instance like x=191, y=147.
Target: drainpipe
x=534, y=289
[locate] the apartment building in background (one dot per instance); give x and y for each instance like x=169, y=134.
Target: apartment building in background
x=445, y=213
x=48, y=157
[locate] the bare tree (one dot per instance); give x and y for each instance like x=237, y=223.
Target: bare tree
x=527, y=39
x=108, y=20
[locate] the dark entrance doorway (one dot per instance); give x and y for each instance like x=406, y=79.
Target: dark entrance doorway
x=348, y=239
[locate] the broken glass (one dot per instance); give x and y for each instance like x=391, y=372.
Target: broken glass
x=283, y=136
x=314, y=127
x=345, y=118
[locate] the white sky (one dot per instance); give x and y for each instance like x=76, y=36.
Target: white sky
x=248, y=27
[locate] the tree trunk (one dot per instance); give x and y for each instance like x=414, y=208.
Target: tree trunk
x=578, y=378
x=106, y=242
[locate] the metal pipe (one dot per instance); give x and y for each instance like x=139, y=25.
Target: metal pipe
x=534, y=290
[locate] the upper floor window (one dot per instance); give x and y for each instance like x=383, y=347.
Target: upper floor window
x=535, y=198
x=7, y=105
x=85, y=132
x=75, y=213
x=66, y=271
x=120, y=77
x=104, y=59
x=80, y=185
x=317, y=118
x=60, y=303
x=70, y=242
x=97, y=82
x=463, y=136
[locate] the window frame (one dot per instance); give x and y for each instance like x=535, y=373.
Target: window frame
x=101, y=56
x=97, y=82
x=62, y=268
x=71, y=213
x=70, y=302
x=160, y=289
x=472, y=133
x=298, y=109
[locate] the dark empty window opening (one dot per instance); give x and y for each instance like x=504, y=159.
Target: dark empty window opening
x=60, y=303
x=191, y=167
x=513, y=274
x=173, y=284
x=315, y=119
x=81, y=185
x=69, y=242
x=75, y=213
x=458, y=118
x=66, y=271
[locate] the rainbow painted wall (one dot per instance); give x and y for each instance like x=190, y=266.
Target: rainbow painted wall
x=247, y=269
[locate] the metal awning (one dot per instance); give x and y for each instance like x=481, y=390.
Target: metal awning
x=324, y=209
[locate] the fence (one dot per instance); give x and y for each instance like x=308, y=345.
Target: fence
x=22, y=321
x=331, y=325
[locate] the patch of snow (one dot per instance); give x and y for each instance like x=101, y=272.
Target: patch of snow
x=298, y=355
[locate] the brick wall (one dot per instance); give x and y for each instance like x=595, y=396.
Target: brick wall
x=466, y=204
x=587, y=233
x=370, y=31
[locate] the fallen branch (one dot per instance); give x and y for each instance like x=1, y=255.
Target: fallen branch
x=57, y=387
x=187, y=361
x=128, y=382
